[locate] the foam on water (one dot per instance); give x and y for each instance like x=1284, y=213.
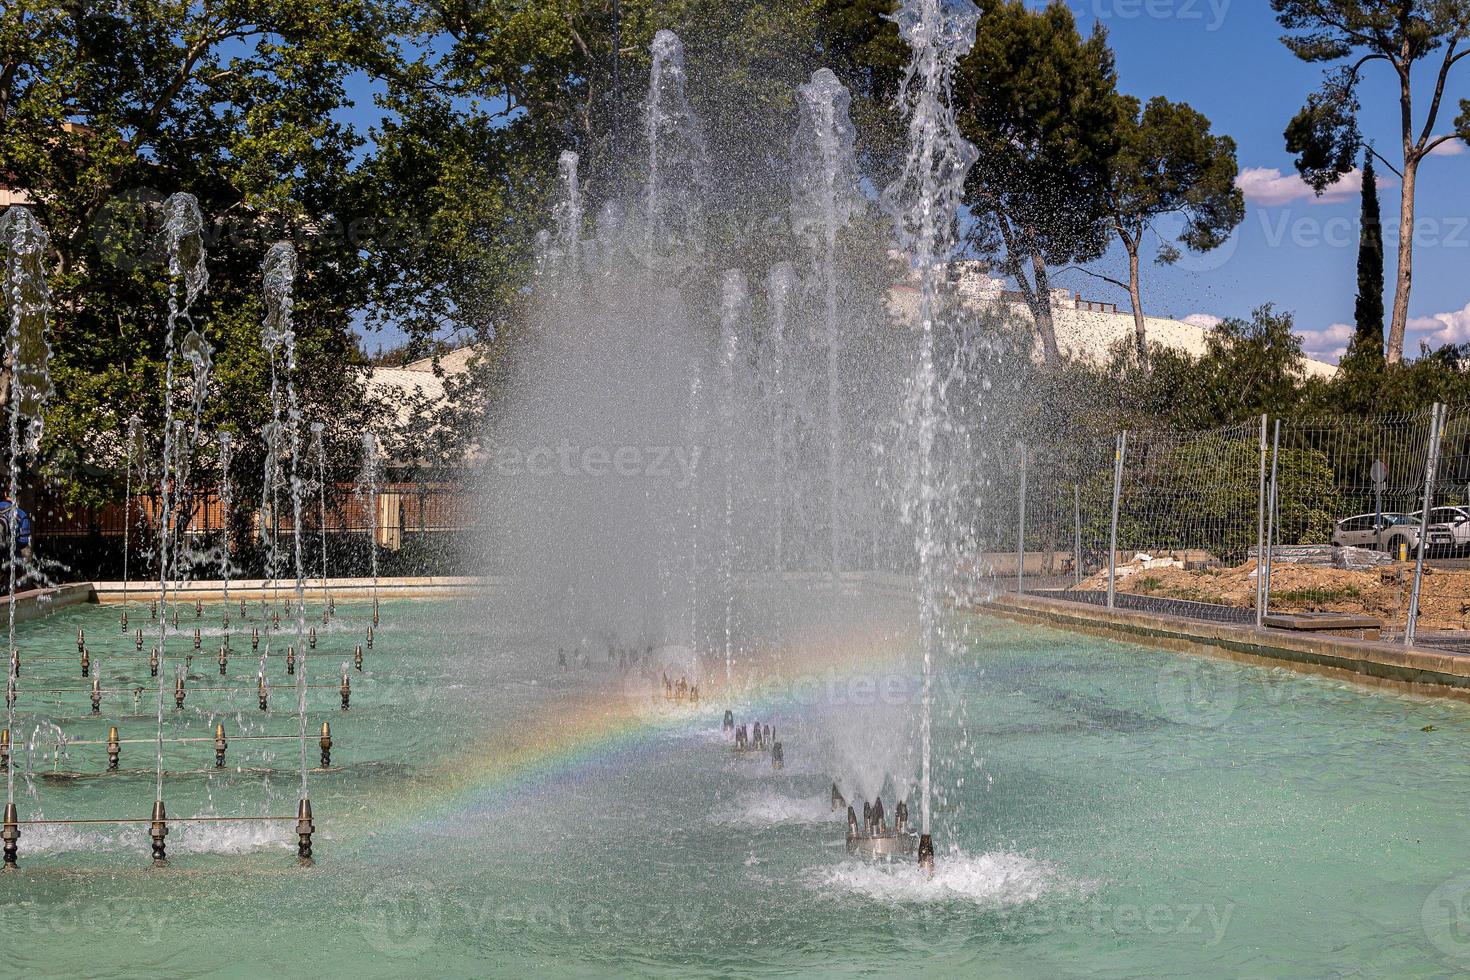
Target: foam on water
x=769, y=808
x=995, y=878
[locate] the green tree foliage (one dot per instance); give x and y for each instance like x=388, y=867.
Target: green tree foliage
x=1367, y=343
x=1170, y=164
x=1040, y=102
x=1351, y=37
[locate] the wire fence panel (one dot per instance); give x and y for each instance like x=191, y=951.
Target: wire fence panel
x=1354, y=481
x=1068, y=497
x=1189, y=515
x=1444, y=593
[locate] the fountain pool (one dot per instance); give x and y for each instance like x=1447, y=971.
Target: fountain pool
x=1123, y=811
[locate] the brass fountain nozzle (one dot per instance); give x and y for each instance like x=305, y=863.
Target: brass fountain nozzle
x=198, y=638
x=326, y=744
x=357, y=657
x=346, y=691
x=11, y=836
x=224, y=660
x=262, y=692
x=311, y=639
x=220, y=745
x=138, y=638
x=179, y=691
x=158, y=830
x=255, y=637
x=926, y=854
x=304, y=829
x=114, y=749
x=4, y=748
x=81, y=640
x=290, y=659
x=86, y=663
x=96, y=695
x=153, y=663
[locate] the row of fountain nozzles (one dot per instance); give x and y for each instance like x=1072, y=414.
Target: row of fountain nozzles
x=757, y=738
x=680, y=691
x=875, y=820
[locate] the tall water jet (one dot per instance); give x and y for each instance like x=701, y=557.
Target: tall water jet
x=319, y=450
x=780, y=288
x=227, y=507
x=278, y=338
x=188, y=277
x=569, y=213
x=369, y=483
x=133, y=456
x=734, y=309
x=825, y=196
x=678, y=179
x=27, y=297
x=923, y=202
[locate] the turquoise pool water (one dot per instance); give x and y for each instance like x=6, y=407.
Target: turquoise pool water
x=1111, y=810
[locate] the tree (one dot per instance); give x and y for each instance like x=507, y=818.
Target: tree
x=1169, y=163
x=1351, y=36
x=1367, y=340
x=1041, y=105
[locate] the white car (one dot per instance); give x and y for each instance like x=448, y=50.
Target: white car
x=1451, y=522
x=1363, y=532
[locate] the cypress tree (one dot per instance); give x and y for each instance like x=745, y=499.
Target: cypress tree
x=1368, y=313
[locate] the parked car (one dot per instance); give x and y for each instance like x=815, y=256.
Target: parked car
x=1449, y=528
x=1363, y=532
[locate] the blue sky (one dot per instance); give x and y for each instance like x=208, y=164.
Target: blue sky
x=1299, y=252
x=1225, y=58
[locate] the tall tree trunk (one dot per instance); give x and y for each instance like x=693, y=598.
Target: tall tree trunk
x=1041, y=309
x=1405, y=282
x=1135, y=295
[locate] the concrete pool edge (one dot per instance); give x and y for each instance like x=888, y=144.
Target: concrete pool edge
x=1415, y=671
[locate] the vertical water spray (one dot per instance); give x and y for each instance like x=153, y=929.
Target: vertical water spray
x=319, y=449
x=369, y=480
x=227, y=507
x=133, y=456
x=278, y=337
x=569, y=213
x=183, y=233
x=28, y=302
x=923, y=202
x=780, y=285
x=825, y=195
x=734, y=308
x=678, y=179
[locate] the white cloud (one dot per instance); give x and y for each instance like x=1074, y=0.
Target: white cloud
x=1443, y=328
x=1329, y=344
x=1205, y=321
x=1269, y=187
x=1453, y=148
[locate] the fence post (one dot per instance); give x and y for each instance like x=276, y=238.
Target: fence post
x=1077, y=534
x=1431, y=464
x=1119, y=453
x=1273, y=496
x=1261, y=533
x=1021, y=528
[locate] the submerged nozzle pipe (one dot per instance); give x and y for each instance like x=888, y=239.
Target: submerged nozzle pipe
x=114, y=749
x=221, y=744
x=158, y=830
x=304, y=829
x=11, y=836
x=326, y=744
